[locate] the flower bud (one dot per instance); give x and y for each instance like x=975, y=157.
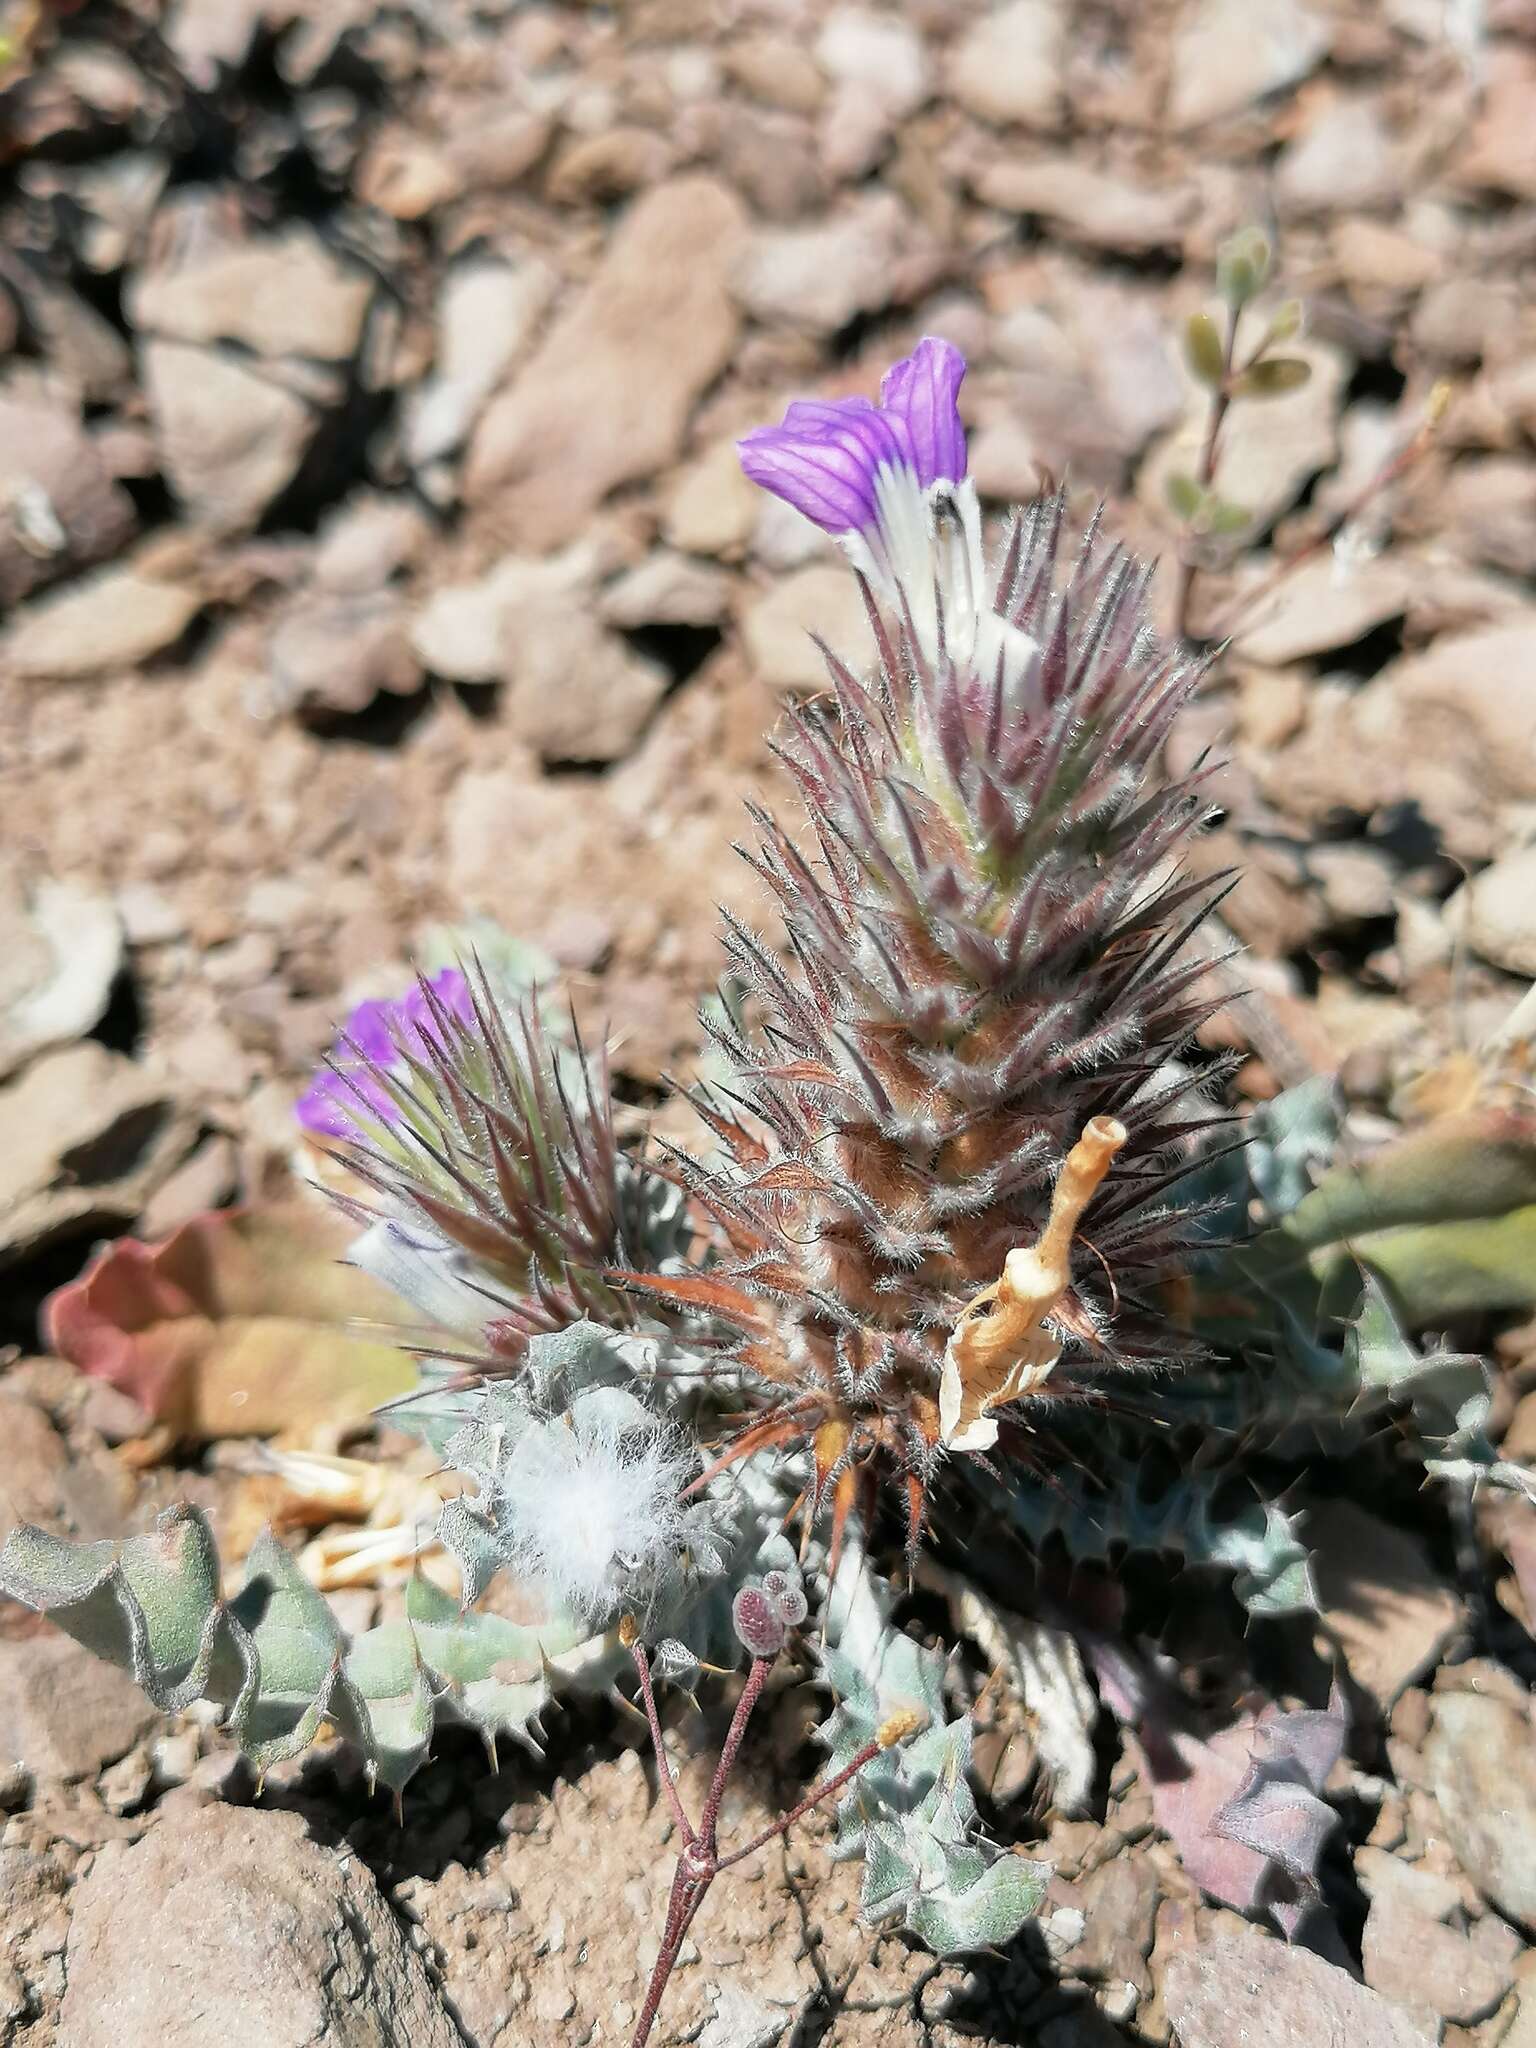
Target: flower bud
x=758, y=1622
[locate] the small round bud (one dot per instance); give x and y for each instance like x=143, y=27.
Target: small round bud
x=793, y=1605
x=758, y=1622
x=775, y=1583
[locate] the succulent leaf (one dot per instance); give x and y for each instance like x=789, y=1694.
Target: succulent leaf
x=910, y=1813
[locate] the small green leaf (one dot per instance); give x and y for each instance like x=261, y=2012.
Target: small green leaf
x=1286, y=322
x=1272, y=377
x=1223, y=519
x=1204, y=350
x=1185, y=496
x=1242, y=266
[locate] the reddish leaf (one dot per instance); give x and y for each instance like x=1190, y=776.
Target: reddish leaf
x=241, y=1323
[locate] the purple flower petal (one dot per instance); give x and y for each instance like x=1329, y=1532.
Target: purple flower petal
x=827, y=454
x=333, y=1103
x=921, y=391
x=372, y=1042
x=368, y=1031
x=814, y=474
x=416, y=1026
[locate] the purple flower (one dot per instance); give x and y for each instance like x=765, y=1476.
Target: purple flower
x=830, y=458
x=373, y=1042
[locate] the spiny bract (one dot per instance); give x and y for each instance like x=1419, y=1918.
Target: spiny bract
x=987, y=961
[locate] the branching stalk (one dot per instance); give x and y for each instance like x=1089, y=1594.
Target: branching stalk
x=699, y=1861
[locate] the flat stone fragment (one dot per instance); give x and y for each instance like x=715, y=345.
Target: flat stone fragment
x=112, y=620
x=88, y=1134
x=230, y=1925
x=1007, y=67
x=818, y=277
x=1323, y=605
x=1415, y=1961
x=1090, y=206
x=1501, y=912
x=62, y=508
x=230, y=439
x=778, y=627
x=64, y=1712
x=286, y=295
x=1481, y=1760
x=1251, y=1988
x=1380, y=1597
x=1229, y=53
x=606, y=397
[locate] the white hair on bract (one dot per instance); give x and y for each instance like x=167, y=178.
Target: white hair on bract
x=591, y=1506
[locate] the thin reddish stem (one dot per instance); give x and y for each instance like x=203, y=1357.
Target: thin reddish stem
x=812, y=1799
x=663, y=1767
x=751, y=1693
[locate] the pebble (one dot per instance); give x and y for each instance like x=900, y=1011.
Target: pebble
x=1247, y=1986
x=607, y=396
x=230, y=1924
x=777, y=628
x=1500, y=912
x=1007, y=66
x=818, y=277
x=1481, y=1763
x=115, y=619
x=1229, y=53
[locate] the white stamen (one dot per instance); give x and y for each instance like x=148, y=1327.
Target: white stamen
x=924, y=554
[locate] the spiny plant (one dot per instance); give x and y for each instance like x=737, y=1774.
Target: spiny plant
x=972, y=1232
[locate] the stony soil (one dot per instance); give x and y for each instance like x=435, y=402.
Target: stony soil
x=374, y=555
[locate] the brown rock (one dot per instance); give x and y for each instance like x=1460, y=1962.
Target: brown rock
x=712, y=508
x=337, y=653
x=62, y=510
x=1007, y=67
x=1321, y=606
x=88, y=1134
x=63, y=1712
x=498, y=151
x=230, y=439
x=1251, y=1986
x=819, y=599
x=1416, y=1961
x=230, y=1924
x=818, y=277
x=1344, y=161
x=777, y=71
x=404, y=175
x=1500, y=912
x=578, y=693
x=593, y=169
x=1090, y=206
x=1501, y=151
x=1453, y=728
x=1481, y=1762
x=285, y=295
x=606, y=398
x=1381, y=1598
x=1229, y=53
x=113, y=620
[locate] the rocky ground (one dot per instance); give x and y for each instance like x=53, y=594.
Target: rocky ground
x=374, y=554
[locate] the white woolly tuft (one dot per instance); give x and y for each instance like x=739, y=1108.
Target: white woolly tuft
x=590, y=1508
